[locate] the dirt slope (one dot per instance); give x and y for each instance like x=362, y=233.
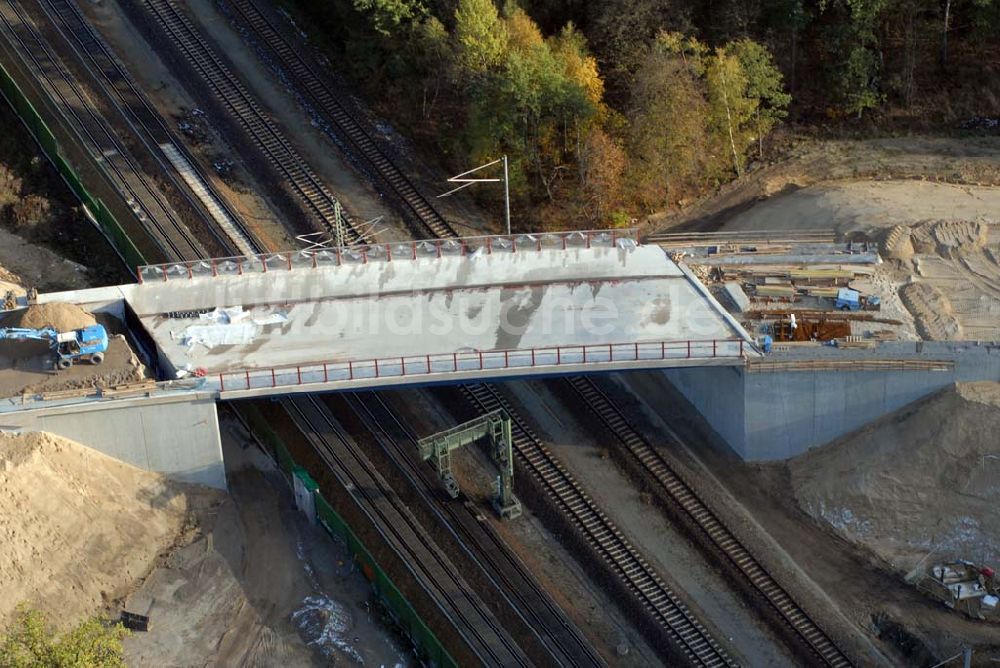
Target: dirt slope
x=923, y=479
x=77, y=528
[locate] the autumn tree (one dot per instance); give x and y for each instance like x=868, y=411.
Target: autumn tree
x=669, y=143
x=602, y=164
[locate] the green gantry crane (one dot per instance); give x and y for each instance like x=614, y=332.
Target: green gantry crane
x=495, y=425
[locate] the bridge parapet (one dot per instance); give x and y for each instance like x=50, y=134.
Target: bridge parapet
x=311, y=258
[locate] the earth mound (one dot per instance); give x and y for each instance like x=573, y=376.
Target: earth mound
x=925, y=479
x=63, y=317
x=79, y=528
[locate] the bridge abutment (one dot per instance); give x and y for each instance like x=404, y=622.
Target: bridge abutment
x=176, y=436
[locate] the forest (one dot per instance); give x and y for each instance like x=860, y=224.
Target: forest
x=612, y=110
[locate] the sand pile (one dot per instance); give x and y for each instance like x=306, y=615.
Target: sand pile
x=78, y=528
x=925, y=478
x=64, y=317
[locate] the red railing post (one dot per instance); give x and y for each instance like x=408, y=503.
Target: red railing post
x=214, y=271
x=741, y=347
x=513, y=244
x=164, y=275
x=454, y=361
x=376, y=367
x=340, y=259
x=315, y=263
x=263, y=263
x=364, y=255
x=388, y=253
x=402, y=365
x=539, y=243
x=480, y=360
x=326, y=376
x=222, y=384
x=588, y=239
x=413, y=245
x=489, y=245
x=298, y=372
x=613, y=239
x=350, y=369
x=274, y=380
x=239, y=267
x=506, y=359
x=438, y=245
x=428, y=359
x=289, y=262
x=564, y=242
x=248, y=378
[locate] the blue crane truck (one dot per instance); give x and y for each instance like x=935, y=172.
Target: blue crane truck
x=80, y=345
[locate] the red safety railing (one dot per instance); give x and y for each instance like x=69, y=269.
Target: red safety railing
x=480, y=360
x=382, y=252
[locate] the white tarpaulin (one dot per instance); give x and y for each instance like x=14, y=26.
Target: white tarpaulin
x=228, y=327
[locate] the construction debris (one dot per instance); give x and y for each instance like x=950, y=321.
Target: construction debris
x=963, y=586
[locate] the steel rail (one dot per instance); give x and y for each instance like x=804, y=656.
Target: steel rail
x=242, y=106
x=325, y=100
x=143, y=198
x=527, y=598
x=684, y=496
x=690, y=638
x=472, y=619
x=117, y=85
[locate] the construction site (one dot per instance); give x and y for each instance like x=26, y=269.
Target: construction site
x=274, y=402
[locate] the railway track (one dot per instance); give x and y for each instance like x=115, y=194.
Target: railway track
x=707, y=521
x=141, y=195
x=470, y=617
x=324, y=99
x=688, y=635
x=560, y=638
x=692, y=640
x=114, y=82
x=268, y=139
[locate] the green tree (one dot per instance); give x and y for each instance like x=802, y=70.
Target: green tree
x=28, y=643
x=480, y=36
x=731, y=108
x=386, y=16
x=765, y=85
x=431, y=56
x=853, y=45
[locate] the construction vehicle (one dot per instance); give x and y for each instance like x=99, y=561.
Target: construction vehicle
x=852, y=300
x=80, y=345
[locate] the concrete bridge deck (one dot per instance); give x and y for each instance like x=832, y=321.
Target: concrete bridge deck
x=420, y=312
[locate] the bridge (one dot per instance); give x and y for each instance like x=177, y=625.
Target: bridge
x=420, y=312
x=385, y=315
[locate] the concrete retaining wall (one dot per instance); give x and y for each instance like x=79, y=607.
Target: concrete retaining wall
x=177, y=438
x=776, y=415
